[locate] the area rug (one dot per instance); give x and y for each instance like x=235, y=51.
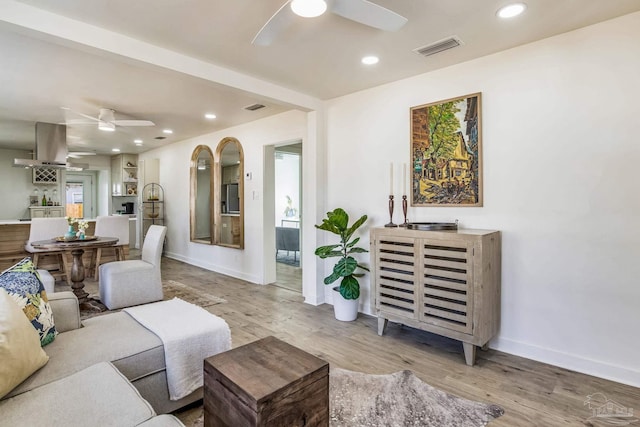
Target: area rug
x=400, y=399
x=171, y=289
x=288, y=258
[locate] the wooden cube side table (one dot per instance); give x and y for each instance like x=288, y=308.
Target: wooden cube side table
x=266, y=383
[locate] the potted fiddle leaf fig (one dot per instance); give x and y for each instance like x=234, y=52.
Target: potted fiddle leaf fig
x=347, y=293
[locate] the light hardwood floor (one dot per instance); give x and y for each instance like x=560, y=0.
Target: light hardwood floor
x=532, y=393
x=288, y=277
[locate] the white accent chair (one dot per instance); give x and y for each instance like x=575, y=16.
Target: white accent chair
x=111, y=226
x=48, y=228
x=134, y=282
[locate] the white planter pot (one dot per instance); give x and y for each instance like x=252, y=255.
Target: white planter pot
x=344, y=309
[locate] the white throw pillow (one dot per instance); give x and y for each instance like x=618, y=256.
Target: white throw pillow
x=20, y=350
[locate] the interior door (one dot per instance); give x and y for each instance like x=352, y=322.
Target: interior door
x=80, y=195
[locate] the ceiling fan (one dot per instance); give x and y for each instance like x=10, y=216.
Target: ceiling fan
x=361, y=11
x=80, y=154
x=106, y=120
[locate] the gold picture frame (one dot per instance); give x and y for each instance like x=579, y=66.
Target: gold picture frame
x=446, y=152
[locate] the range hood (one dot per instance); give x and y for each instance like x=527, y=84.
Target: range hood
x=51, y=149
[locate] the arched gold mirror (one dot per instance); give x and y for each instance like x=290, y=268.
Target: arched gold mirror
x=229, y=194
x=201, y=198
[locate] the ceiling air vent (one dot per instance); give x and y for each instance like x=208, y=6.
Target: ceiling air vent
x=254, y=107
x=439, y=46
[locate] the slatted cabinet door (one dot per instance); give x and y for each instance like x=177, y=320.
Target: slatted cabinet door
x=446, y=281
x=396, y=276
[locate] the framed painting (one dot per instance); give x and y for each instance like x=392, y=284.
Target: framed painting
x=446, y=151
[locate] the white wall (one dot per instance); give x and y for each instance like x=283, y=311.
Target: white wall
x=247, y=264
x=287, y=183
x=560, y=142
x=16, y=185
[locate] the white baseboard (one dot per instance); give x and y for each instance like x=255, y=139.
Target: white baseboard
x=214, y=267
x=568, y=361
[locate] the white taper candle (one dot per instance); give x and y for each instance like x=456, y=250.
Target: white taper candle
x=391, y=179
x=404, y=179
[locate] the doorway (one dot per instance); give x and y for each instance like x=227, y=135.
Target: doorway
x=80, y=195
x=288, y=204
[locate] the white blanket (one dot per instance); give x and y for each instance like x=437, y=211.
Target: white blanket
x=190, y=334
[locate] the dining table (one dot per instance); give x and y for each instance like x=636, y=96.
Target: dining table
x=76, y=248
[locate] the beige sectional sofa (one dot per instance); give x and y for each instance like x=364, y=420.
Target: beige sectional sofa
x=109, y=370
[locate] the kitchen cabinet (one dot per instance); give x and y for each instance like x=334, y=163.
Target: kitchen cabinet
x=444, y=282
x=124, y=175
x=46, y=176
x=46, y=212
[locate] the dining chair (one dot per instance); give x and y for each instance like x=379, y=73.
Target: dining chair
x=110, y=226
x=133, y=282
x=48, y=228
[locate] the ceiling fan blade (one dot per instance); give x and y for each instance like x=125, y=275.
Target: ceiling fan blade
x=77, y=122
x=368, y=13
x=95, y=119
x=133, y=123
x=279, y=22
x=80, y=154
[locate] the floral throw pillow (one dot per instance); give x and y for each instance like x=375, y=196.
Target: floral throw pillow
x=23, y=284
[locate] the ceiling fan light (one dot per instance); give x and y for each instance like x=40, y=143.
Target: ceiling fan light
x=308, y=8
x=106, y=126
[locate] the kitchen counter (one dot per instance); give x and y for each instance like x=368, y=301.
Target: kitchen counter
x=28, y=221
x=15, y=233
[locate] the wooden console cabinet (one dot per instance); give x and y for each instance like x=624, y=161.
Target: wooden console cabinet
x=445, y=282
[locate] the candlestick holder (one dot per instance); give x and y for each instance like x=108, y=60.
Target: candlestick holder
x=404, y=211
x=391, y=224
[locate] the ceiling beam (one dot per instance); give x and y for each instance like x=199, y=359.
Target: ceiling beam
x=59, y=29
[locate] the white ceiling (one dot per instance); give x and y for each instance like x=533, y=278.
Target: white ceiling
x=49, y=62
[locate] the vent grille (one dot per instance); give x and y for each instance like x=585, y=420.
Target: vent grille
x=254, y=107
x=439, y=46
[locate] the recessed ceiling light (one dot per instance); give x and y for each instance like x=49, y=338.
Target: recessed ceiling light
x=370, y=60
x=115, y=150
x=210, y=116
x=167, y=131
x=308, y=8
x=137, y=141
x=511, y=10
